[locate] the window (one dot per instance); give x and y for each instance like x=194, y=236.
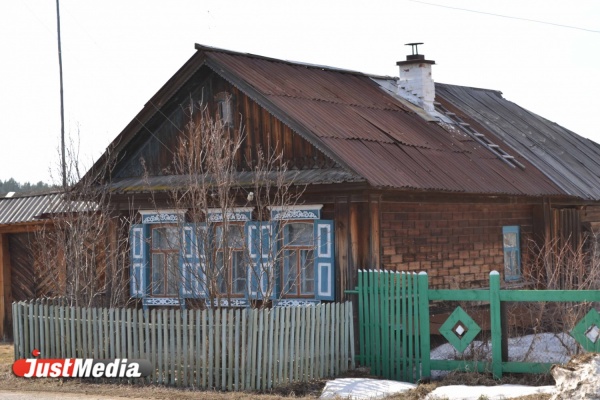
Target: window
x=224, y=108
x=165, y=260
x=307, y=268
x=230, y=259
x=298, y=277
x=512, y=253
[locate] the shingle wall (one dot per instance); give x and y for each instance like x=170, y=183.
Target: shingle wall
x=457, y=244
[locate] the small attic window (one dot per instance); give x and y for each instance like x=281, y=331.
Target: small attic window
x=224, y=107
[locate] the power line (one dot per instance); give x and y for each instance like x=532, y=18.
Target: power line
x=506, y=16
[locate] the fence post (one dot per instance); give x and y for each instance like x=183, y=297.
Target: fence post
x=496, y=324
x=423, y=283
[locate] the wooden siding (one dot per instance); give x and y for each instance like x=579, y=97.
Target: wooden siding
x=156, y=143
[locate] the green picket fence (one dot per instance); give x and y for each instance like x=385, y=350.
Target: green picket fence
x=224, y=349
x=394, y=324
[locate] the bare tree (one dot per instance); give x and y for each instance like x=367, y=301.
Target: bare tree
x=221, y=194
x=83, y=244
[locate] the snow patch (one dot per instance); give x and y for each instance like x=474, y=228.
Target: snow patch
x=363, y=388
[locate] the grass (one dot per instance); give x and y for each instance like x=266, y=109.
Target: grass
x=303, y=390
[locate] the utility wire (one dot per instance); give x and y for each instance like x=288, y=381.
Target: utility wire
x=506, y=16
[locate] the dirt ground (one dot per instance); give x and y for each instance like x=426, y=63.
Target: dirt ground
x=15, y=388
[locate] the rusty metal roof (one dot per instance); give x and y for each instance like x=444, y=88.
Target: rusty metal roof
x=569, y=160
x=350, y=118
x=26, y=209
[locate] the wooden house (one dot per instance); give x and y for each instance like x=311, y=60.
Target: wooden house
x=407, y=174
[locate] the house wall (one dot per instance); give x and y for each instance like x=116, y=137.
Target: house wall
x=456, y=244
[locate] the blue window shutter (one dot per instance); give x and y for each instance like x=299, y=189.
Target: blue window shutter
x=324, y=260
x=512, y=252
x=191, y=261
x=139, y=270
x=261, y=273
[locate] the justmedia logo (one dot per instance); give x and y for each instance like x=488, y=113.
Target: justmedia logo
x=80, y=367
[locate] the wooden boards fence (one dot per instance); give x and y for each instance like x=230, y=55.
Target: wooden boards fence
x=226, y=349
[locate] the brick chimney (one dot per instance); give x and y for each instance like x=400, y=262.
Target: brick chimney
x=415, y=79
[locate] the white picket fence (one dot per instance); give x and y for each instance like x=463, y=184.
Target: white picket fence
x=227, y=349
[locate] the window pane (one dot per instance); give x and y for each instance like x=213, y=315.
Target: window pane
x=158, y=277
x=307, y=272
x=165, y=238
x=290, y=273
x=238, y=272
x=234, y=236
x=510, y=239
x=299, y=234
x=173, y=274
x=221, y=273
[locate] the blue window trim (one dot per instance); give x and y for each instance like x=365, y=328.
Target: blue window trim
x=514, y=273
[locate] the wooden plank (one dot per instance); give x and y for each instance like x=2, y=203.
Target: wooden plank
x=198, y=350
x=311, y=343
x=175, y=363
x=496, y=324
x=259, y=350
x=301, y=341
x=244, y=349
x=265, y=348
x=254, y=355
x=94, y=332
x=62, y=321
x=205, y=328
x=297, y=339
x=160, y=347
x=72, y=324
x=237, y=349
x=186, y=346
x=170, y=367
x=217, y=351
x=417, y=333
x=123, y=328
x=230, y=349
x=223, y=344
x=153, y=353
x=271, y=347
x=109, y=332
x=292, y=353
x=281, y=343
x=319, y=341
x=133, y=350
x=211, y=347
x=424, y=322
x=102, y=332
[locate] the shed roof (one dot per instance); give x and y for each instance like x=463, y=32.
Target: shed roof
x=27, y=209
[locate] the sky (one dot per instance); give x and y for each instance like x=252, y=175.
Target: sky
x=542, y=55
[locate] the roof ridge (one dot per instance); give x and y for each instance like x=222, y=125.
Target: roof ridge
x=201, y=47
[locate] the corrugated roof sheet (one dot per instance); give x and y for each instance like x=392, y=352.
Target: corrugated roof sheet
x=349, y=117
x=571, y=161
x=17, y=210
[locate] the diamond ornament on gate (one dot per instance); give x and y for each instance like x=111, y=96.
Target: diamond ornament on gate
x=593, y=333
x=460, y=329
x=587, y=331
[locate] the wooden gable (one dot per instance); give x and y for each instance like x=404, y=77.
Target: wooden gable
x=153, y=147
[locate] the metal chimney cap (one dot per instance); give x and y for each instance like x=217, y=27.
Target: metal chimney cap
x=415, y=56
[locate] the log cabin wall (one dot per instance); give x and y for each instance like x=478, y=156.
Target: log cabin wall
x=456, y=244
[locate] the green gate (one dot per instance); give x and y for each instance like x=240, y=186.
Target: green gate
x=394, y=336
x=389, y=333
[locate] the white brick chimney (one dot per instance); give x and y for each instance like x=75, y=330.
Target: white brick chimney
x=416, y=83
